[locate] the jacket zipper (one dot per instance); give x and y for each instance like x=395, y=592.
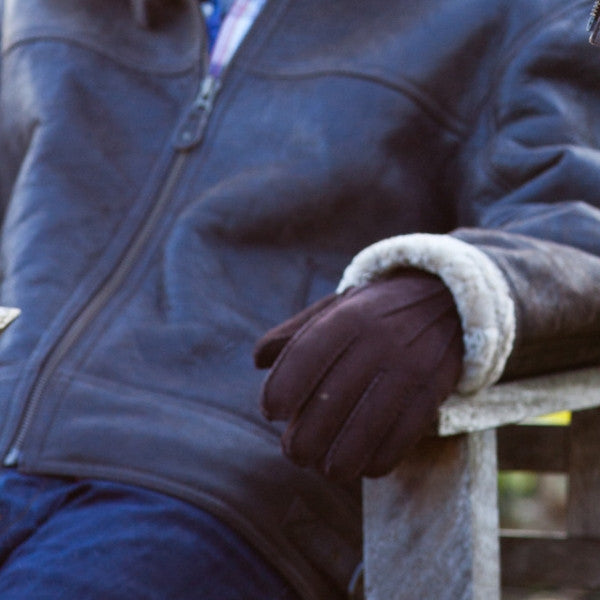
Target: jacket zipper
x=594, y=14
x=91, y=310
x=592, y=24
x=188, y=134
x=191, y=129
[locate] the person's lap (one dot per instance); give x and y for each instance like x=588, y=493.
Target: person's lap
x=91, y=540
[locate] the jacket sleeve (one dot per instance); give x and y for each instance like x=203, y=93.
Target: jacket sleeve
x=524, y=266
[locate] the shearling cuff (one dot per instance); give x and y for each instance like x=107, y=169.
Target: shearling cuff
x=479, y=288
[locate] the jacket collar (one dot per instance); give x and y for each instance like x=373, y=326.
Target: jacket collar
x=150, y=13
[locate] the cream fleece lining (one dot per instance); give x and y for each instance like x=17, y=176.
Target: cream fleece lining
x=479, y=288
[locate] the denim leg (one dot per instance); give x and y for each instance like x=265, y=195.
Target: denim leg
x=96, y=540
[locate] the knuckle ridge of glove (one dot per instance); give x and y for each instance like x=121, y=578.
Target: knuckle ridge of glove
x=270, y=345
x=269, y=399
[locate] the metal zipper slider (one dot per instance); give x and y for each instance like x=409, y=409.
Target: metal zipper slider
x=190, y=131
x=12, y=458
x=593, y=23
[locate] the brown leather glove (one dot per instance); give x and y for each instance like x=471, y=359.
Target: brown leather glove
x=359, y=376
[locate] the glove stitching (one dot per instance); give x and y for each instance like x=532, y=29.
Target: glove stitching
x=316, y=380
x=290, y=437
x=435, y=319
x=341, y=435
x=285, y=351
x=408, y=391
x=277, y=337
x=296, y=337
x=412, y=303
x=394, y=423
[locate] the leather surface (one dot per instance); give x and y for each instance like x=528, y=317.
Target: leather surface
x=329, y=133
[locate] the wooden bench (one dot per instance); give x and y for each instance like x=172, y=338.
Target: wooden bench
x=431, y=527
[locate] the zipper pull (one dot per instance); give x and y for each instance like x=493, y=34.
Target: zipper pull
x=12, y=458
x=190, y=131
x=592, y=24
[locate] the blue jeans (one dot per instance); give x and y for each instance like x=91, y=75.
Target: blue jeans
x=96, y=540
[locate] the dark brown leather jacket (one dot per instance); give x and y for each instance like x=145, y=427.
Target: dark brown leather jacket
x=149, y=241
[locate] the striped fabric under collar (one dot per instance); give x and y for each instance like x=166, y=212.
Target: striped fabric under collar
x=239, y=19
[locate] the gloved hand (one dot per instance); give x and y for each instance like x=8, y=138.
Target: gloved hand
x=359, y=376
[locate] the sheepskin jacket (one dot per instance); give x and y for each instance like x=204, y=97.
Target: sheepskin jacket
x=152, y=233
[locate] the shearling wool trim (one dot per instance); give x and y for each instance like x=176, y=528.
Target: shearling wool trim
x=479, y=288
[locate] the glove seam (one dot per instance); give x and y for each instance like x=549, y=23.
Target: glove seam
x=322, y=371
x=351, y=418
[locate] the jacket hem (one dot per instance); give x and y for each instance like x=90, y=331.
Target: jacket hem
x=231, y=518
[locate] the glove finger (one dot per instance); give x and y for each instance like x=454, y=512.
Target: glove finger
x=269, y=346
x=304, y=363
x=401, y=436
x=418, y=419
x=380, y=405
x=352, y=408
x=342, y=433
x=315, y=426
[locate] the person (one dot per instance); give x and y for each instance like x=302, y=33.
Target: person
x=381, y=202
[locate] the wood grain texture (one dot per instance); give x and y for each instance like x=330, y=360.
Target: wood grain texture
x=515, y=401
x=583, y=510
x=430, y=527
x=550, y=563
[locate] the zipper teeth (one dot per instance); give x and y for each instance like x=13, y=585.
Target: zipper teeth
x=594, y=15
x=115, y=280
x=98, y=301
x=95, y=306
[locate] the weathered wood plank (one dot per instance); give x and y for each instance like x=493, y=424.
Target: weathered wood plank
x=543, y=448
x=583, y=510
x=515, y=401
x=431, y=526
x=550, y=563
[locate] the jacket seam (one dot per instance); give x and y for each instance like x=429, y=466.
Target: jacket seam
x=548, y=342
x=71, y=376
x=405, y=87
x=489, y=102
x=97, y=48
x=261, y=431
x=210, y=502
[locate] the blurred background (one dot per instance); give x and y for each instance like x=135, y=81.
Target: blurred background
x=537, y=502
